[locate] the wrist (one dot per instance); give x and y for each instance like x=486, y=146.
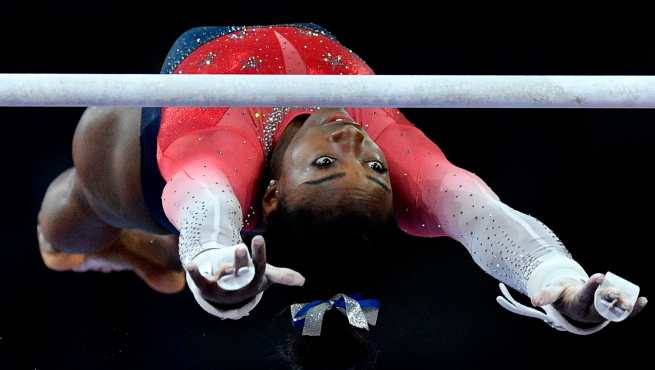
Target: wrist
x=552, y=268
x=213, y=309
x=230, y=306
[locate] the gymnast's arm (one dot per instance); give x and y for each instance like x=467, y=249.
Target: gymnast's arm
x=204, y=196
x=435, y=198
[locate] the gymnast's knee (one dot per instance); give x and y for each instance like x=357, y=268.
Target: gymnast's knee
x=52, y=218
x=66, y=221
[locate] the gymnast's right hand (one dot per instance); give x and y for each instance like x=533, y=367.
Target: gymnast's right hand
x=265, y=275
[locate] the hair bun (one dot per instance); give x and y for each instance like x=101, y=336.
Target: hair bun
x=340, y=346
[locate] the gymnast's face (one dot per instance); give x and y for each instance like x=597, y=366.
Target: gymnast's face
x=331, y=163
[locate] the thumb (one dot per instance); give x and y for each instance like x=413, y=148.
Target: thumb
x=284, y=276
x=549, y=294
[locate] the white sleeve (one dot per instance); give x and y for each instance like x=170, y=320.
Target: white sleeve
x=513, y=247
x=204, y=212
x=208, y=216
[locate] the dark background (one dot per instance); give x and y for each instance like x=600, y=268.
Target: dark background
x=585, y=173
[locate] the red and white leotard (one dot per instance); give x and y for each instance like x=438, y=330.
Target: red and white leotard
x=206, y=153
x=231, y=139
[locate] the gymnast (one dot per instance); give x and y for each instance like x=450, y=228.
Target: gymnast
x=169, y=192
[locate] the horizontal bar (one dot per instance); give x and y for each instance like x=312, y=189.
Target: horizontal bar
x=401, y=91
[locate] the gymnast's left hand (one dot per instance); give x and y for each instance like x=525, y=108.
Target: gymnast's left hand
x=265, y=275
x=575, y=299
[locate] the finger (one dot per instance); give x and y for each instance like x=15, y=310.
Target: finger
x=547, y=295
x=615, y=303
x=215, y=272
x=641, y=303
x=240, y=258
x=223, y=269
x=588, y=290
x=610, y=294
x=201, y=281
x=258, y=246
x=284, y=276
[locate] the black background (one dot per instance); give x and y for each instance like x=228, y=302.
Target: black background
x=585, y=173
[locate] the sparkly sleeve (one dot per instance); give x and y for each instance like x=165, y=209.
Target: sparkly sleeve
x=213, y=173
x=208, y=178
x=435, y=198
x=211, y=177
x=202, y=205
x=226, y=151
x=204, y=209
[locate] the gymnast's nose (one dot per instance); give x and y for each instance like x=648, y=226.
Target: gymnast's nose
x=348, y=136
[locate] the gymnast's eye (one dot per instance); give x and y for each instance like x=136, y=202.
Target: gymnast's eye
x=324, y=162
x=377, y=166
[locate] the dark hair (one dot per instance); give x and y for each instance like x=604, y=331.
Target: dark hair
x=340, y=345
x=338, y=251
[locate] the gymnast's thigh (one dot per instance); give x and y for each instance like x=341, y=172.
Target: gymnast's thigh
x=107, y=159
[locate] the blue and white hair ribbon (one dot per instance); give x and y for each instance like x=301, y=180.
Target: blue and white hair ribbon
x=309, y=316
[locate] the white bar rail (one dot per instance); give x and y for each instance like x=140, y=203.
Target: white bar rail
x=401, y=91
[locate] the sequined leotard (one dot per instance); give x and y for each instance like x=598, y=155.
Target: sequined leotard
x=432, y=197
x=273, y=50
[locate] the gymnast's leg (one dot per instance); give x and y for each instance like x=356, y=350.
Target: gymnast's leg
x=93, y=216
x=67, y=221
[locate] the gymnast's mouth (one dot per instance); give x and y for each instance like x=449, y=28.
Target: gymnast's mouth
x=341, y=121
x=340, y=118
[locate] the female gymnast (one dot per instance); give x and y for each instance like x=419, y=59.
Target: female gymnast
x=333, y=178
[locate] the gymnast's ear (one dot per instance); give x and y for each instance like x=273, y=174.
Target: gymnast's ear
x=270, y=200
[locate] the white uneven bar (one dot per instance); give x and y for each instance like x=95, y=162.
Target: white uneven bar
x=402, y=91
